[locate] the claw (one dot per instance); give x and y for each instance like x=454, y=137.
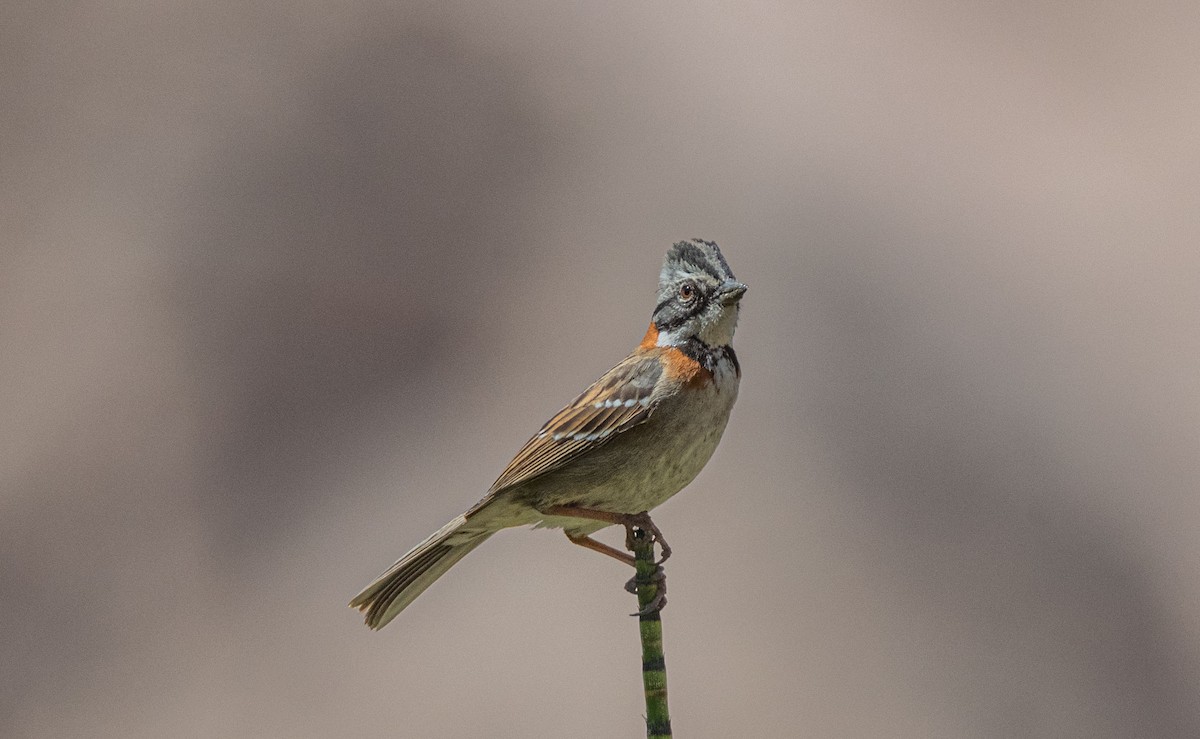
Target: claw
x=658, y=577
x=666, y=552
x=654, y=606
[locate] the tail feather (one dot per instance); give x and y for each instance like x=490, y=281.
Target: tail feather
x=399, y=586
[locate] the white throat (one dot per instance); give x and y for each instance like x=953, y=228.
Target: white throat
x=720, y=332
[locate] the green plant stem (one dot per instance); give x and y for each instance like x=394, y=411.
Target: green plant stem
x=654, y=665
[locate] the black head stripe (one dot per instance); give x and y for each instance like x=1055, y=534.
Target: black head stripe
x=691, y=255
x=716, y=252
x=672, y=313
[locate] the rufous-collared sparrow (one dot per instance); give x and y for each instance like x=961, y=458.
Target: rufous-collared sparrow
x=633, y=439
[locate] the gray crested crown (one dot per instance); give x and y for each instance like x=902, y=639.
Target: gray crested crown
x=693, y=257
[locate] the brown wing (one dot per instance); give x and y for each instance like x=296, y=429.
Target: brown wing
x=617, y=401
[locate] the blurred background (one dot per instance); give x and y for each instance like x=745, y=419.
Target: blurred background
x=284, y=285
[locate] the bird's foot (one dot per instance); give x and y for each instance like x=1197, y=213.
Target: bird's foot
x=656, y=604
x=645, y=523
x=659, y=578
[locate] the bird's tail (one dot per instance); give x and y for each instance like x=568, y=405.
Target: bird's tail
x=392, y=591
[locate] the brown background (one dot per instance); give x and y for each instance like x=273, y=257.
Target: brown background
x=283, y=285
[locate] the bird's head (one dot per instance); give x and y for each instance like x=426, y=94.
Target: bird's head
x=698, y=296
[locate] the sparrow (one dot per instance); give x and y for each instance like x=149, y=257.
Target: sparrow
x=630, y=441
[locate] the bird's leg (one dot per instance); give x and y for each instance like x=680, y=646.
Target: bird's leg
x=588, y=542
x=629, y=520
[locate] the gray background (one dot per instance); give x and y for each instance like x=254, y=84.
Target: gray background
x=283, y=286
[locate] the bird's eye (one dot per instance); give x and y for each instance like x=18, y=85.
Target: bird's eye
x=687, y=291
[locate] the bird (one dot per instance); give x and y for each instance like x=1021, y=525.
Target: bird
x=631, y=440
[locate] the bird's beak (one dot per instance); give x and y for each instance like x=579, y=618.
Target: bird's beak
x=731, y=292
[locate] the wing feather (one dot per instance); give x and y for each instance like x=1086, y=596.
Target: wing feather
x=619, y=400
